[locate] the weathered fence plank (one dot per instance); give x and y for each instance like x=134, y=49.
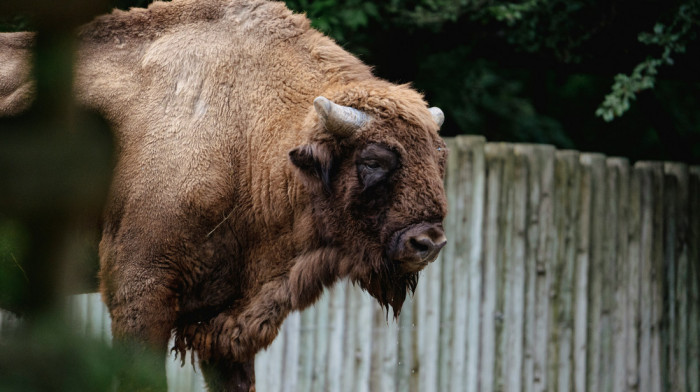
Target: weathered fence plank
x=563, y=272
x=320, y=343
x=633, y=283
x=514, y=276
x=581, y=277
x=617, y=255
x=539, y=221
x=465, y=188
x=292, y=331
x=336, y=320
x=406, y=331
x=676, y=267
x=492, y=298
x=451, y=263
x=651, y=252
x=693, y=371
x=474, y=232
x=490, y=312
x=567, y=184
x=306, y=348
x=428, y=325
x=597, y=331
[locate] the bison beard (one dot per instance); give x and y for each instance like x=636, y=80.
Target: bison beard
x=236, y=335
x=257, y=163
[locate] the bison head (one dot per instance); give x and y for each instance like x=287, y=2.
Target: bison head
x=373, y=167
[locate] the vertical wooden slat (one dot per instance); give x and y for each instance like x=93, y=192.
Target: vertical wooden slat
x=693, y=366
x=348, y=376
x=363, y=338
x=633, y=282
x=321, y=343
x=292, y=333
x=598, y=335
x=378, y=348
x=604, y=267
x=415, y=345
x=676, y=263
x=390, y=357
x=450, y=262
x=539, y=161
x=475, y=219
x=617, y=250
x=453, y=314
x=349, y=364
x=561, y=314
x=428, y=311
x=651, y=291
x=262, y=362
x=462, y=277
x=306, y=348
x=492, y=302
x=405, y=350
x=385, y=360
x=514, y=276
x=336, y=319
x=581, y=276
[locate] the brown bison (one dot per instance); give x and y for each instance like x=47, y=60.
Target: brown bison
x=258, y=163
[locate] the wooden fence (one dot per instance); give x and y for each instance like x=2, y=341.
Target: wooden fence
x=564, y=271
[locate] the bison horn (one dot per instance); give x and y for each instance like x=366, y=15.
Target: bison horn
x=438, y=115
x=339, y=120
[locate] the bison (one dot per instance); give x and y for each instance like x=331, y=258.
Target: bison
x=257, y=163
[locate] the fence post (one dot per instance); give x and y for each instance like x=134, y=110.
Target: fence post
x=694, y=279
x=427, y=315
x=462, y=277
x=617, y=255
x=292, y=332
x=496, y=155
x=565, y=208
x=651, y=289
x=336, y=335
x=539, y=163
x=676, y=267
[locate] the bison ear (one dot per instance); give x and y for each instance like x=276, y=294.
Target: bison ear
x=314, y=161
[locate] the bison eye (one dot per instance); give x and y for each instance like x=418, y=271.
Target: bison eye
x=374, y=163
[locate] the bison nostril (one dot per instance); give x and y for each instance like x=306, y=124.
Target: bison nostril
x=422, y=245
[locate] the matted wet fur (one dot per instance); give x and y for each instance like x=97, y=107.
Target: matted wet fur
x=232, y=204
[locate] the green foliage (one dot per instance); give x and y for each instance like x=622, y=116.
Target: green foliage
x=337, y=19
x=626, y=87
x=513, y=12
x=672, y=40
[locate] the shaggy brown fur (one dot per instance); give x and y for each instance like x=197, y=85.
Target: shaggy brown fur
x=231, y=205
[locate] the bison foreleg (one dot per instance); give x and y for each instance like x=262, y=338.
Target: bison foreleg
x=237, y=334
